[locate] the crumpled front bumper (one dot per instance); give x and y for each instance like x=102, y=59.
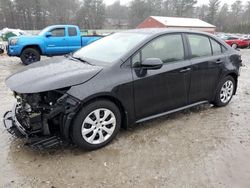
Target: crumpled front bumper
x=12, y=125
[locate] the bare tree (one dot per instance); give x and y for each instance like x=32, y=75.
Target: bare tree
x=94, y=14
x=184, y=7
x=8, y=13
x=117, y=14
x=202, y=12
x=168, y=8
x=137, y=12
x=91, y=14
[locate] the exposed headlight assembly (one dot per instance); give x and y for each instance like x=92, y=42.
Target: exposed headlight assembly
x=13, y=41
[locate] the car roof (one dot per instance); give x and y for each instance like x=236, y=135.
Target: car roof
x=160, y=31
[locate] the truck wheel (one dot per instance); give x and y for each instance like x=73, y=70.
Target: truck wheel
x=1, y=51
x=96, y=124
x=30, y=55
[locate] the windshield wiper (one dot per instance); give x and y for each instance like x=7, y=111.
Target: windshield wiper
x=78, y=58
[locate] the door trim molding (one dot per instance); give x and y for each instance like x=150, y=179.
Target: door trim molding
x=170, y=112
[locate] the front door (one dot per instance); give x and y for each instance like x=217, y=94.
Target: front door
x=56, y=43
x=158, y=91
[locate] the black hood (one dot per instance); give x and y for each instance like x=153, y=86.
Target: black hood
x=51, y=74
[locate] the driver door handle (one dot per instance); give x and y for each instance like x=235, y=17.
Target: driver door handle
x=185, y=70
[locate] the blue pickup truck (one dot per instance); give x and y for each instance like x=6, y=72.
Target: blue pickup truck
x=51, y=41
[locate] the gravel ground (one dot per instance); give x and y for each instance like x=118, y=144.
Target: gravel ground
x=201, y=147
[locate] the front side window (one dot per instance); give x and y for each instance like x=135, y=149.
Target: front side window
x=216, y=47
x=59, y=32
x=200, y=45
x=168, y=48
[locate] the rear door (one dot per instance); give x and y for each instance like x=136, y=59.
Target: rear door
x=73, y=39
x=56, y=43
x=207, y=58
x=158, y=91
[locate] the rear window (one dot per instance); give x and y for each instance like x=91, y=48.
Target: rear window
x=232, y=38
x=200, y=45
x=72, y=31
x=216, y=47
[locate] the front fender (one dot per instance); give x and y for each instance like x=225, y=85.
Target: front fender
x=26, y=41
x=119, y=87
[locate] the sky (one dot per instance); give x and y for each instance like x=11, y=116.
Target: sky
x=200, y=2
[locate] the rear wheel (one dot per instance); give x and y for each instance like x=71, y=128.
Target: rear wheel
x=1, y=51
x=234, y=46
x=30, y=55
x=225, y=91
x=96, y=125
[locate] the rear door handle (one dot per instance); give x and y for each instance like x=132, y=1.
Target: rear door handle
x=185, y=70
x=218, y=61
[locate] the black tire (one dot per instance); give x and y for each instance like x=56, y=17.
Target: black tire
x=30, y=55
x=77, y=125
x=218, y=102
x=1, y=51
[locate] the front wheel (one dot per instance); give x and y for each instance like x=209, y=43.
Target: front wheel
x=30, y=55
x=225, y=91
x=96, y=125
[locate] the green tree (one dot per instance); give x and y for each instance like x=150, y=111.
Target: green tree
x=223, y=20
x=213, y=8
x=184, y=8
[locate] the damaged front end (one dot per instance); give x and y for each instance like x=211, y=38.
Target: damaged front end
x=43, y=118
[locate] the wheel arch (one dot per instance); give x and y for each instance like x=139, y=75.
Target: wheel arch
x=235, y=77
x=114, y=100
x=34, y=46
x=67, y=132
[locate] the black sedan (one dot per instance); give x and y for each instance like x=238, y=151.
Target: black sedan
x=115, y=82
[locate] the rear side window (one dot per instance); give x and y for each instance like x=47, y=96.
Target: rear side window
x=168, y=48
x=232, y=38
x=72, y=31
x=59, y=32
x=216, y=47
x=200, y=45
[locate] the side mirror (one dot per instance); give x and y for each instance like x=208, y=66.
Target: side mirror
x=152, y=64
x=48, y=34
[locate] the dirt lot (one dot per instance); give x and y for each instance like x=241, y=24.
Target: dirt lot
x=201, y=147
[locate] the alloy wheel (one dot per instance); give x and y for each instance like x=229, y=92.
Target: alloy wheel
x=30, y=57
x=226, y=92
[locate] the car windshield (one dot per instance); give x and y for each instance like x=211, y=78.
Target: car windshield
x=110, y=48
x=45, y=30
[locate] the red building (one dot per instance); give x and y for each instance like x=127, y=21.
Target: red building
x=174, y=22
